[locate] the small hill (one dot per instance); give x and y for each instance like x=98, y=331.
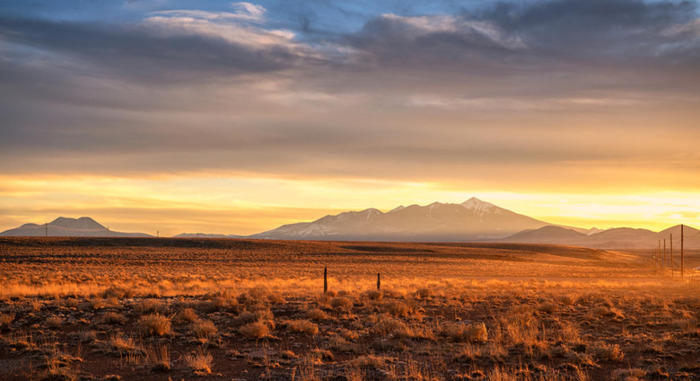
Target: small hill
x=548, y=235
x=205, y=235
x=67, y=227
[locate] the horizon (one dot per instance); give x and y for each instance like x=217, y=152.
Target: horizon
x=239, y=117
x=592, y=229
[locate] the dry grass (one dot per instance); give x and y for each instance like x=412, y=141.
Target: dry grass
x=445, y=312
x=466, y=333
x=200, y=362
x=113, y=318
x=187, y=315
x=255, y=330
x=303, y=326
x=317, y=314
x=154, y=325
x=341, y=304
x=122, y=344
x=158, y=357
x=204, y=329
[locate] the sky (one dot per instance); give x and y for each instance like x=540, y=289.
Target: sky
x=236, y=117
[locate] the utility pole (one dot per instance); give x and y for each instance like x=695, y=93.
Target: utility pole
x=658, y=255
x=682, y=254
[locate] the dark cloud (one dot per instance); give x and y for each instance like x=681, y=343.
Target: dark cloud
x=597, y=28
x=540, y=35
x=140, y=52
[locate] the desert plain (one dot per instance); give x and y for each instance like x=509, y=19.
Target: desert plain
x=227, y=309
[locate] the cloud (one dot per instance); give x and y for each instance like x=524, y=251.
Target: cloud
x=517, y=36
x=168, y=46
x=534, y=86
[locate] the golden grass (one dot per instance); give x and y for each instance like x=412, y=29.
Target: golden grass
x=303, y=326
x=448, y=312
x=200, y=362
x=154, y=325
x=255, y=330
x=204, y=329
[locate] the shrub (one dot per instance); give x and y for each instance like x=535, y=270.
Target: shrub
x=342, y=304
x=149, y=306
x=117, y=292
x=398, y=308
x=255, y=330
x=393, y=327
x=606, y=352
x=204, y=329
x=113, y=318
x=122, y=344
x=154, y=325
x=199, y=362
x=54, y=322
x=188, y=315
x=303, y=326
x=317, y=314
x=224, y=302
x=247, y=317
x=463, y=333
x=374, y=295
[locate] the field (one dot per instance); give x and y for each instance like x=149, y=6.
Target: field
x=171, y=309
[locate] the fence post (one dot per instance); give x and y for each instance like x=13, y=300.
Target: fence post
x=325, y=280
x=379, y=281
x=682, y=255
x=671, y=242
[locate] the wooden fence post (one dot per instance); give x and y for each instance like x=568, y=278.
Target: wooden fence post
x=379, y=281
x=671, y=242
x=682, y=255
x=325, y=280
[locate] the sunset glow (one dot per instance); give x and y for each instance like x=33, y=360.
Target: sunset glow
x=236, y=118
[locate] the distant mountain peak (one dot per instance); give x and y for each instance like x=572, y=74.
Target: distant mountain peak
x=471, y=220
x=481, y=207
x=83, y=223
x=474, y=203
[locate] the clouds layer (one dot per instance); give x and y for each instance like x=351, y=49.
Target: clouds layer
x=546, y=87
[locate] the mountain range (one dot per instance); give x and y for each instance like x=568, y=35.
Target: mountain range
x=473, y=220
x=68, y=227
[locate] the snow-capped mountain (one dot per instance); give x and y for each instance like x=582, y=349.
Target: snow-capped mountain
x=67, y=227
x=471, y=220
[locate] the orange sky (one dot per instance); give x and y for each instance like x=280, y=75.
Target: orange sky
x=237, y=118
